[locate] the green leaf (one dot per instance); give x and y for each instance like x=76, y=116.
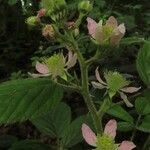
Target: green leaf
x=118, y=112
x=73, y=134
x=26, y=99
x=55, y=121
x=143, y=63
x=12, y=2
x=145, y=125
x=29, y=145
x=142, y=105
x=115, y=82
x=125, y=126
x=132, y=40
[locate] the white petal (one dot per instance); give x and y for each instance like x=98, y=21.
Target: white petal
x=125, y=99
x=72, y=59
x=130, y=89
x=97, y=85
x=122, y=28
x=34, y=75
x=98, y=77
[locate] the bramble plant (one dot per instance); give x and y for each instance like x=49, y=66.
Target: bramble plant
x=38, y=98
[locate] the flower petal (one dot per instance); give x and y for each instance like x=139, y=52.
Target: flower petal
x=92, y=25
x=98, y=77
x=72, y=59
x=34, y=75
x=110, y=128
x=127, y=145
x=122, y=28
x=125, y=99
x=130, y=89
x=88, y=135
x=98, y=85
x=112, y=22
x=117, y=35
x=41, y=68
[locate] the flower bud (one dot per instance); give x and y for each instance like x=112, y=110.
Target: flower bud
x=41, y=12
x=85, y=6
x=33, y=21
x=48, y=31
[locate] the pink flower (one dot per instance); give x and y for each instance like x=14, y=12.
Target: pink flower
x=41, y=13
x=56, y=65
x=108, y=138
x=122, y=89
x=110, y=33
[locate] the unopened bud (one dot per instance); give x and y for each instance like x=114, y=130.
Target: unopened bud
x=33, y=21
x=41, y=12
x=85, y=6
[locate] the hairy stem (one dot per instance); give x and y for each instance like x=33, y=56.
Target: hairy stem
x=85, y=90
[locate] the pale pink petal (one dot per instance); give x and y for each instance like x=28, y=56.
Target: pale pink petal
x=110, y=128
x=98, y=85
x=34, y=75
x=125, y=99
x=99, y=35
x=130, y=89
x=98, y=77
x=112, y=22
x=88, y=135
x=117, y=35
x=41, y=68
x=72, y=59
x=127, y=145
x=92, y=25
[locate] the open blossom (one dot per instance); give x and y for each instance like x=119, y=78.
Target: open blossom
x=109, y=33
x=115, y=83
x=106, y=141
x=48, y=31
x=56, y=65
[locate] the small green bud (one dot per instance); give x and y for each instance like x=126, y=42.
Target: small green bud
x=33, y=21
x=85, y=6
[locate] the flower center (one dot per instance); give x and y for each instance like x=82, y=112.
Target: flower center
x=105, y=142
x=56, y=65
x=107, y=32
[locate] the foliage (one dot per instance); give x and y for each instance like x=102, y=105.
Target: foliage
x=26, y=99
x=38, y=99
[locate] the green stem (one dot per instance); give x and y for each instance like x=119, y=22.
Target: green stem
x=71, y=87
x=147, y=143
x=85, y=90
x=79, y=20
x=135, y=130
x=71, y=43
x=103, y=108
x=94, y=58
